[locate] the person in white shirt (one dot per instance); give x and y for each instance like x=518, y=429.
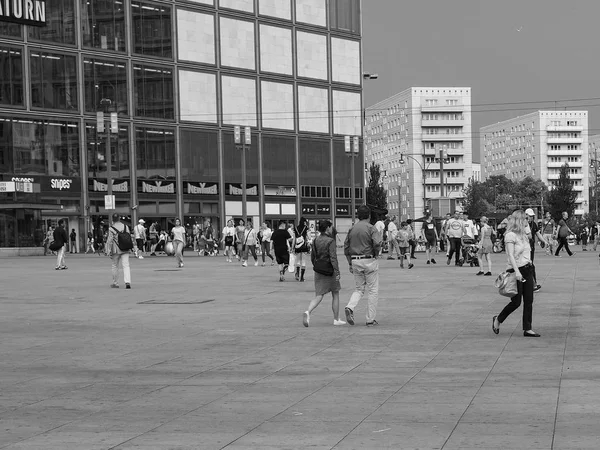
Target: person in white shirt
x=249, y=244
x=470, y=229
x=392, y=233
x=228, y=239
x=264, y=236
x=139, y=234
x=380, y=226
x=178, y=233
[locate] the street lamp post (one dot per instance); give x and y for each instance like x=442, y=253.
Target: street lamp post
x=242, y=145
x=351, y=149
x=113, y=128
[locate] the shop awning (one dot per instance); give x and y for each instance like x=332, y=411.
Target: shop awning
x=46, y=206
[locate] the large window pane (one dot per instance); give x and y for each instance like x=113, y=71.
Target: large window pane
x=345, y=15
x=53, y=81
x=280, y=166
x=103, y=24
x=153, y=92
x=105, y=79
x=11, y=76
x=232, y=159
x=39, y=147
x=152, y=33
x=60, y=23
x=96, y=152
x=155, y=153
x=315, y=162
x=199, y=155
x=10, y=29
x=342, y=165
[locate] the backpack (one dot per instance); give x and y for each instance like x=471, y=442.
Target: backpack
x=124, y=241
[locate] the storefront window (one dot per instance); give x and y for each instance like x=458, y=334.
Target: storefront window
x=10, y=29
x=315, y=163
x=105, y=79
x=152, y=34
x=96, y=152
x=103, y=24
x=342, y=167
x=53, y=81
x=280, y=166
x=199, y=155
x=153, y=91
x=11, y=76
x=31, y=147
x=345, y=15
x=60, y=23
x=21, y=228
x=155, y=153
x=232, y=160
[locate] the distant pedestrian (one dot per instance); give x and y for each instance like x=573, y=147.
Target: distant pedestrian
x=249, y=246
x=228, y=239
x=431, y=238
x=264, y=237
x=392, y=234
x=179, y=239
x=324, y=250
x=403, y=238
x=380, y=227
x=139, y=233
x=301, y=247
x=60, y=241
x=486, y=246
x=361, y=248
x=584, y=238
x=595, y=235
x=282, y=241
x=240, y=230
x=153, y=231
x=47, y=240
x=548, y=231
x=73, y=238
x=562, y=234
x=120, y=258
x=90, y=243
x=534, y=232
x=413, y=239
x=454, y=231
x=518, y=252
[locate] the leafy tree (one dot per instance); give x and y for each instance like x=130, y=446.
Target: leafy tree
x=562, y=197
x=376, y=195
x=528, y=193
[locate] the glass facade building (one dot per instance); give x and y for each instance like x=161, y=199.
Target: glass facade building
x=180, y=75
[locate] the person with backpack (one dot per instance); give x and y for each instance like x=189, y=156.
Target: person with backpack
x=118, y=246
x=73, y=237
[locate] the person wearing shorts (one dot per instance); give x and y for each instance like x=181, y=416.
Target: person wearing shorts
x=282, y=241
x=431, y=237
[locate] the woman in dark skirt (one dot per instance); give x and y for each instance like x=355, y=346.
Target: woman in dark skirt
x=324, y=249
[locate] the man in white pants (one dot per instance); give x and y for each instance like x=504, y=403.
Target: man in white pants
x=139, y=234
x=118, y=256
x=392, y=242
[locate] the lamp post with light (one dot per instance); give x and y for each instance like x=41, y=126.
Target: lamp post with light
x=351, y=149
x=243, y=145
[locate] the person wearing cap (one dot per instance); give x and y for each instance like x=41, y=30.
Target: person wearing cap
x=139, y=234
x=533, y=232
x=119, y=257
x=361, y=248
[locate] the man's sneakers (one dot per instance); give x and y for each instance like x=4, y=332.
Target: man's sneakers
x=537, y=288
x=479, y=273
x=433, y=261
x=127, y=286
x=349, y=316
x=256, y=264
x=339, y=322
x=372, y=324
x=114, y=286
x=487, y=274
x=306, y=318
x=410, y=266
x=245, y=264
x=428, y=262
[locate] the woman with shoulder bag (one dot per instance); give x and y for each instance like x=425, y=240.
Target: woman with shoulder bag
x=327, y=272
x=301, y=247
x=249, y=244
x=518, y=252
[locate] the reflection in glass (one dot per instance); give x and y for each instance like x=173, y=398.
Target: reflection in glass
x=103, y=24
x=232, y=160
x=280, y=166
x=199, y=155
x=315, y=162
x=345, y=15
x=342, y=167
x=21, y=228
x=11, y=76
x=96, y=152
x=10, y=29
x=152, y=29
x=53, y=81
x=153, y=92
x=34, y=147
x=155, y=153
x=60, y=23
x=105, y=79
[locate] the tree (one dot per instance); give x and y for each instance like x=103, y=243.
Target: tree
x=376, y=195
x=562, y=197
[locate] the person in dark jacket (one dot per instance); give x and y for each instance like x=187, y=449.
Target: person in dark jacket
x=61, y=238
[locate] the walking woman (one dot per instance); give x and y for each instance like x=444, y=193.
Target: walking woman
x=228, y=238
x=324, y=250
x=485, y=246
x=249, y=244
x=518, y=251
x=301, y=247
x=178, y=233
x=264, y=236
x=240, y=230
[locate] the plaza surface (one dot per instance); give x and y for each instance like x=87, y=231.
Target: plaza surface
x=215, y=356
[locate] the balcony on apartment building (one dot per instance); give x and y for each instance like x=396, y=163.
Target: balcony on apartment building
x=443, y=107
x=443, y=122
x=443, y=137
x=559, y=164
x=551, y=139
x=572, y=176
x=565, y=128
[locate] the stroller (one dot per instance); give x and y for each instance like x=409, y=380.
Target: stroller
x=469, y=252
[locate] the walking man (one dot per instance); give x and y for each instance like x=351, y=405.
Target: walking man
x=61, y=238
x=392, y=242
x=361, y=248
x=139, y=233
x=120, y=258
x=548, y=230
x=454, y=231
x=562, y=232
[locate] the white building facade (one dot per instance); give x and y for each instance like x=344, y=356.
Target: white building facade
x=404, y=135
x=538, y=145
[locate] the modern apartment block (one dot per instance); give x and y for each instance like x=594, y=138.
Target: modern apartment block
x=405, y=133
x=177, y=77
x=538, y=145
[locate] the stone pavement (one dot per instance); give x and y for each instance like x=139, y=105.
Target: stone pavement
x=215, y=356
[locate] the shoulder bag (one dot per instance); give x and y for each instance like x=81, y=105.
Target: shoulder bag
x=506, y=283
x=322, y=266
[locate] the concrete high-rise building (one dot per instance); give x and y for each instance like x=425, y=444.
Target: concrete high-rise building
x=404, y=135
x=177, y=77
x=538, y=145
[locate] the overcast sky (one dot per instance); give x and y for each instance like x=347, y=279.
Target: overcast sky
x=477, y=43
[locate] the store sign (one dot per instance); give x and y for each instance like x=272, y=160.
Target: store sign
x=196, y=188
x=236, y=189
x=156, y=187
x=286, y=191
x=342, y=210
x=27, y=12
x=308, y=209
x=323, y=209
x=102, y=186
x=7, y=186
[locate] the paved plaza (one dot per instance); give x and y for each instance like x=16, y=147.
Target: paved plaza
x=215, y=356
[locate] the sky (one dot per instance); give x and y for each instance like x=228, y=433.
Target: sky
x=508, y=51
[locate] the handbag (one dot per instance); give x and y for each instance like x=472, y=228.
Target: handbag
x=291, y=267
x=322, y=266
x=55, y=246
x=506, y=283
